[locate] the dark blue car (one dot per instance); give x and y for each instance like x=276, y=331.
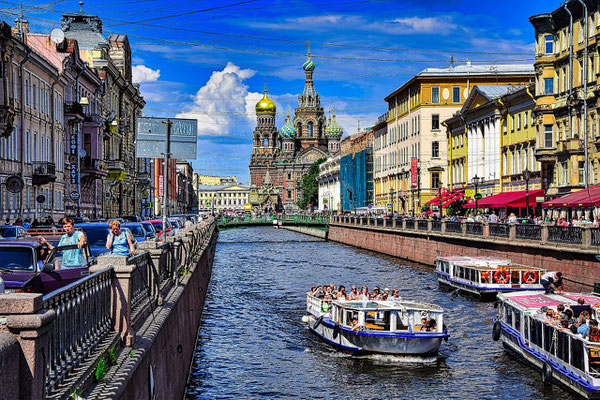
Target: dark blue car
x=96, y=234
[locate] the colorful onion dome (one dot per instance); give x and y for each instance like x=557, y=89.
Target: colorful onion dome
x=308, y=65
x=287, y=130
x=334, y=131
x=266, y=105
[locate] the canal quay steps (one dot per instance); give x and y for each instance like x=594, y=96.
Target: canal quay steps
x=126, y=331
x=571, y=250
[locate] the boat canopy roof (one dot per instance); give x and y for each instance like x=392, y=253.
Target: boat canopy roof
x=476, y=261
x=378, y=305
x=536, y=300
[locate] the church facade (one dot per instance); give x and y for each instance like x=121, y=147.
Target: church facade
x=281, y=157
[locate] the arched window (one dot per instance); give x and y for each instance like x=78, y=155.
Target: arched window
x=299, y=129
x=310, y=129
x=265, y=142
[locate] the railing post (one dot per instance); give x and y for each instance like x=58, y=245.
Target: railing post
x=443, y=228
x=385, y=222
x=512, y=232
x=29, y=325
x=586, y=236
x=486, y=229
x=463, y=227
x=394, y=223
x=428, y=225
x=121, y=294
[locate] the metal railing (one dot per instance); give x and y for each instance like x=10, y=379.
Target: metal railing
x=453, y=226
x=141, y=282
x=474, y=228
x=436, y=225
x=499, y=230
x=528, y=231
x=83, y=317
x=595, y=233
x=422, y=225
x=564, y=234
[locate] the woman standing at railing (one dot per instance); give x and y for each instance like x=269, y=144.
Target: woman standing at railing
x=119, y=242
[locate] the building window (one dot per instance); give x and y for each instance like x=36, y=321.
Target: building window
x=310, y=129
x=435, y=121
x=548, y=85
x=289, y=194
x=289, y=176
x=581, y=166
x=548, y=136
x=519, y=121
x=435, y=149
x=549, y=44
x=435, y=180
x=27, y=91
x=34, y=96
x=435, y=94
x=456, y=94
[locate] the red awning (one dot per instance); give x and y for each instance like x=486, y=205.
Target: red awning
x=437, y=199
x=583, y=198
x=453, y=199
x=508, y=199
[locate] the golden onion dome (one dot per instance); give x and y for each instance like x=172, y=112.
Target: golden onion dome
x=266, y=105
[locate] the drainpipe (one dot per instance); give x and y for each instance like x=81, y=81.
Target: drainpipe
x=585, y=105
x=504, y=116
x=570, y=69
x=53, y=139
x=77, y=130
x=22, y=133
x=449, y=140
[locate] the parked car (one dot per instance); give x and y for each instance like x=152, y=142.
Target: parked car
x=96, y=234
x=139, y=232
x=12, y=232
x=150, y=228
x=23, y=271
x=158, y=226
x=131, y=218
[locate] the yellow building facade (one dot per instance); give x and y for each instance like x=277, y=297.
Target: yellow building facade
x=492, y=140
x=416, y=111
x=567, y=68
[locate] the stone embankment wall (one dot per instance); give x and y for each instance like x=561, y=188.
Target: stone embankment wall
x=126, y=331
x=307, y=230
x=578, y=263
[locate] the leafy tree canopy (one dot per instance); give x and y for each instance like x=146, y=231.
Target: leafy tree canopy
x=310, y=186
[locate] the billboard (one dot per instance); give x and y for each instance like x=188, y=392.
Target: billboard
x=151, y=134
x=414, y=172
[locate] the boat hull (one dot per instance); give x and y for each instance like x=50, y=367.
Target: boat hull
x=513, y=343
x=369, y=342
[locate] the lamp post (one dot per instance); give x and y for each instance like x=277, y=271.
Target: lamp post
x=527, y=177
x=476, y=181
x=392, y=192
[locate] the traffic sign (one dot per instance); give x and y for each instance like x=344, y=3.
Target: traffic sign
x=208, y=204
x=389, y=205
x=478, y=196
x=40, y=198
x=74, y=195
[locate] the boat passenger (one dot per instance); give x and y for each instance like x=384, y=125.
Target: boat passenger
x=396, y=295
x=552, y=278
x=431, y=325
x=326, y=305
x=594, y=333
x=375, y=295
x=353, y=295
x=318, y=292
x=364, y=293
x=583, y=318
x=341, y=295
x=355, y=324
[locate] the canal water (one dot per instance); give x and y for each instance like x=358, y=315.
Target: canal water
x=253, y=344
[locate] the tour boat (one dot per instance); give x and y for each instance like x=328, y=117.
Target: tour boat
x=384, y=327
x=486, y=276
x=564, y=358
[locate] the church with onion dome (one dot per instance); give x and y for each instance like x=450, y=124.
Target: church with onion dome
x=281, y=157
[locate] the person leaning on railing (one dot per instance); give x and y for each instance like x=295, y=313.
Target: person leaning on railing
x=119, y=242
x=71, y=258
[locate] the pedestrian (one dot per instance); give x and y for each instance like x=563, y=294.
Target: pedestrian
x=119, y=242
x=7, y=222
x=27, y=223
x=18, y=222
x=493, y=218
x=188, y=223
x=72, y=258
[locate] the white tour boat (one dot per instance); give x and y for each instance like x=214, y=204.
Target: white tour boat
x=563, y=357
x=383, y=327
x=486, y=276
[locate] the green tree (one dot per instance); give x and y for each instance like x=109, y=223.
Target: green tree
x=310, y=186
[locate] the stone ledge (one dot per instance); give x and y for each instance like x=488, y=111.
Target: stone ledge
x=31, y=321
x=20, y=303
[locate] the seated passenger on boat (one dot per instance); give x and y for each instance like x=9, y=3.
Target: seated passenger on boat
x=364, y=293
x=341, y=294
x=353, y=295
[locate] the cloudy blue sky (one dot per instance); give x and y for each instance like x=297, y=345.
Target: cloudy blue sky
x=208, y=60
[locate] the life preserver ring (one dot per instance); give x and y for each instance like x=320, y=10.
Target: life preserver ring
x=496, y=331
x=501, y=276
x=317, y=322
x=547, y=373
x=485, y=277
x=530, y=277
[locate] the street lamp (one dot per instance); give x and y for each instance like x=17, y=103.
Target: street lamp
x=392, y=192
x=476, y=181
x=527, y=177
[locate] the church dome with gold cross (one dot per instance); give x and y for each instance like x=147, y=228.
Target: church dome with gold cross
x=266, y=105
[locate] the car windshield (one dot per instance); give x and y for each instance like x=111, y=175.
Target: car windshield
x=17, y=258
x=136, y=230
x=96, y=235
x=8, y=231
x=157, y=226
x=148, y=226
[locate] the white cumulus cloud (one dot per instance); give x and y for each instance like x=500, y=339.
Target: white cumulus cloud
x=426, y=24
x=141, y=73
x=224, y=106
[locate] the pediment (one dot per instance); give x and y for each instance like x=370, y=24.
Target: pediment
x=310, y=156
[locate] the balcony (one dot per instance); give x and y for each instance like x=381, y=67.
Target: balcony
x=73, y=110
x=116, y=170
x=571, y=146
x=143, y=178
x=7, y=115
x=43, y=172
x=93, y=167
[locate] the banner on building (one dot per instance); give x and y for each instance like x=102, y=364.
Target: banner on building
x=73, y=171
x=414, y=172
x=160, y=186
x=152, y=134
